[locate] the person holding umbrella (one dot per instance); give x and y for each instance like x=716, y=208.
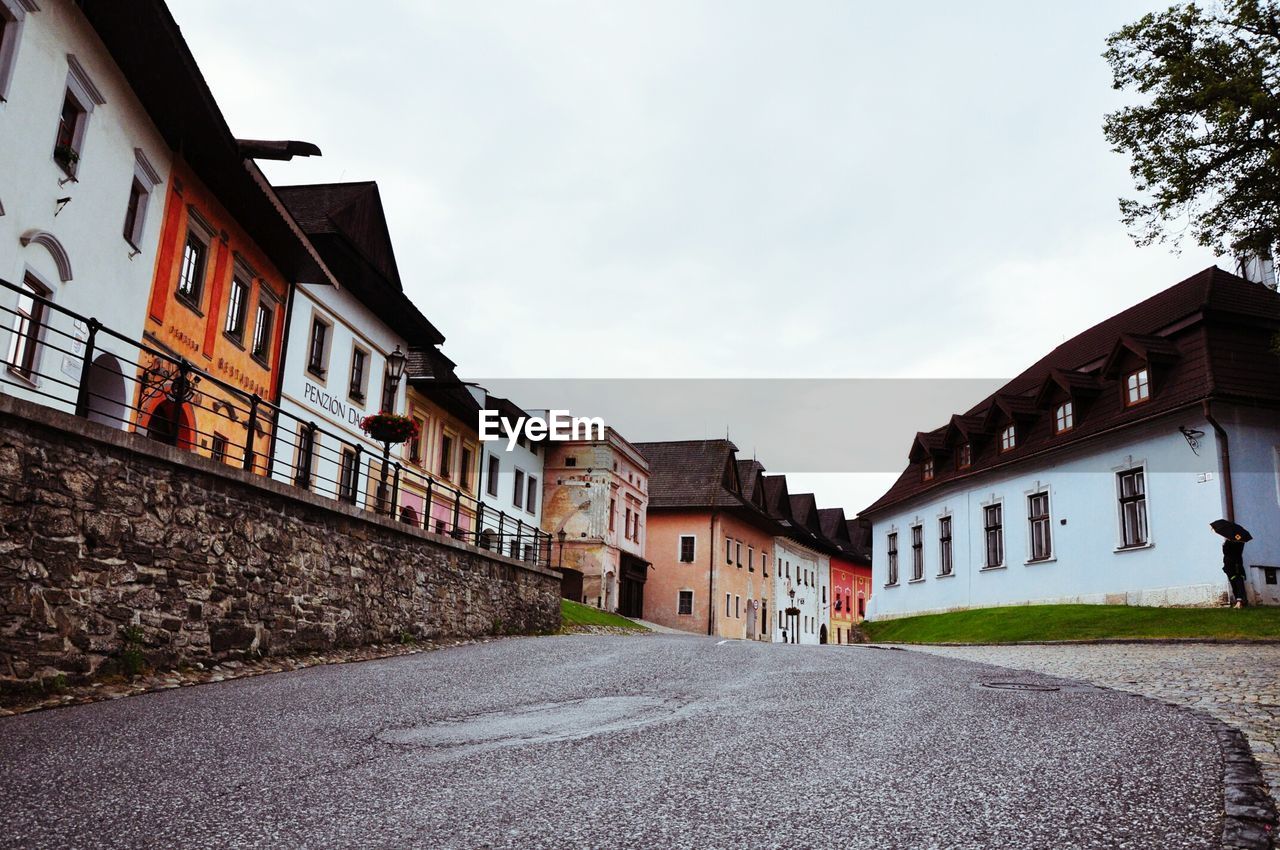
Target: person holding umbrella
x=1234, y=537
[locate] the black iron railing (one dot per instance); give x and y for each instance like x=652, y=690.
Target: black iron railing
x=77, y=364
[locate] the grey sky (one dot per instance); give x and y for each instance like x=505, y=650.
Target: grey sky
x=714, y=189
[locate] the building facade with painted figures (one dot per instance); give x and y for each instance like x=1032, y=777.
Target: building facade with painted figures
x=594, y=505
x=850, y=575
x=84, y=168
x=1093, y=476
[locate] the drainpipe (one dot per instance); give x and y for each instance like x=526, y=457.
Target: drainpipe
x=1224, y=453
x=281, y=364
x=711, y=581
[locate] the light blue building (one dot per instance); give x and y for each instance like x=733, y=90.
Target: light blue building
x=1093, y=476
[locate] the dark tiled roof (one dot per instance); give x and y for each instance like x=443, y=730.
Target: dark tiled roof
x=834, y=525
x=692, y=474
x=1206, y=337
x=860, y=534
x=804, y=508
x=348, y=226
x=777, y=499
x=148, y=47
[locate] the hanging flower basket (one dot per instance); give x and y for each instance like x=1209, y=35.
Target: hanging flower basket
x=389, y=427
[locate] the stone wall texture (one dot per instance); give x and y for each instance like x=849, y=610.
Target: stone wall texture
x=110, y=542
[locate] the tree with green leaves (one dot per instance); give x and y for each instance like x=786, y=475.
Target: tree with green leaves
x=1204, y=139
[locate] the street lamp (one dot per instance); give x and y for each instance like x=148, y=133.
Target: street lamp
x=561, y=534
x=396, y=361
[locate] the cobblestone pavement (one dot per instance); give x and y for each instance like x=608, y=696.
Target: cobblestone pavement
x=1236, y=683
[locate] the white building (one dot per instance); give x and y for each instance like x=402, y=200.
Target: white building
x=82, y=175
x=511, y=479
x=801, y=568
x=1093, y=476
x=338, y=340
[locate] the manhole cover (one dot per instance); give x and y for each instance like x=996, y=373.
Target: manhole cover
x=1018, y=686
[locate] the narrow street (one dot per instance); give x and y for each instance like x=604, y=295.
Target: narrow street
x=618, y=741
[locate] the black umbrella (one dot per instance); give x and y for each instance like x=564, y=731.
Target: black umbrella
x=1231, y=530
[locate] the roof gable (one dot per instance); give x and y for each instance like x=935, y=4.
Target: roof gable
x=1207, y=336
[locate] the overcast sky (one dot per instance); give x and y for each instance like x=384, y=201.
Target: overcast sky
x=715, y=189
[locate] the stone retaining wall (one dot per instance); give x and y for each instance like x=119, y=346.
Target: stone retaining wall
x=113, y=546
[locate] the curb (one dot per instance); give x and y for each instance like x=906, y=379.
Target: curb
x=1249, y=815
x=1101, y=642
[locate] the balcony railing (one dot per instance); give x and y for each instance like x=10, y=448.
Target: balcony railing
x=70, y=362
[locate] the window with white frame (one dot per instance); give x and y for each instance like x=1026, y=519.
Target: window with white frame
x=1137, y=387
x=263, y=330
x=684, y=605
x=237, y=309
x=917, y=552
x=1131, y=486
x=945, y=563
x=891, y=551
x=688, y=547
x=964, y=458
x=28, y=325
x=1040, y=527
x=195, y=260
x=531, y=497
x=517, y=490
x=1008, y=437
x=1064, y=418
x=993, y=534
x=751, y=558
x=927, y=471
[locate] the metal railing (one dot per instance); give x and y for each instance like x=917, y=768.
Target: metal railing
x=77, y=364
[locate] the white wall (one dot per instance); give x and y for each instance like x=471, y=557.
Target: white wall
x=110, y=279
x=326, y=400
x=808, y=598
x=1182, y=564
x=1254, y=439
x=520, y=458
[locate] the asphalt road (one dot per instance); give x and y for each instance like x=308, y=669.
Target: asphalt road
x=591, y=741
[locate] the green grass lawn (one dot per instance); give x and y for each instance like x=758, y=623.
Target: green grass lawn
x=1078, y=622
x=572, y=614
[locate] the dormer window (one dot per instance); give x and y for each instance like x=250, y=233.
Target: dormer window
x=1137, y=387
x=1064, y=419
x=964, y=457
x=928, y=469
x=1008, y=438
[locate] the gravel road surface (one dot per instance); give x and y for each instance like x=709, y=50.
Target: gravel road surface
x=600, y=741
